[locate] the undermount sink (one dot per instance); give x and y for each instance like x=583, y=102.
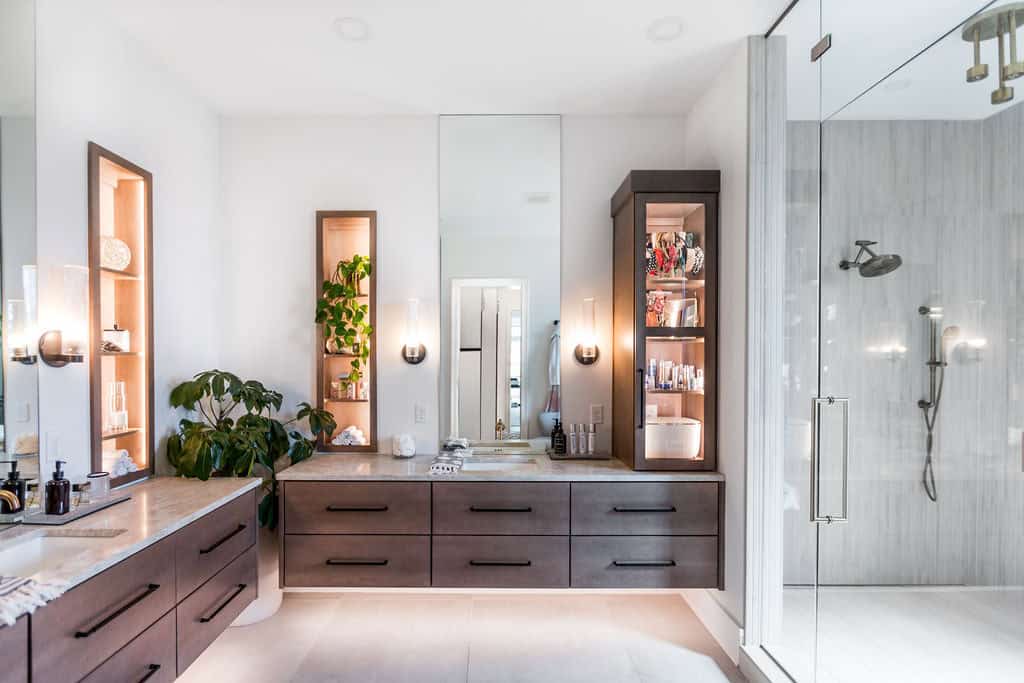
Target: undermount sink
x=476, y=463
x=30, y=554
x=509, y=446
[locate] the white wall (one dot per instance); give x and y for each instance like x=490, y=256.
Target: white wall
x=276, y=174
x=93, y=84
x=715, y=136
x=597, y=153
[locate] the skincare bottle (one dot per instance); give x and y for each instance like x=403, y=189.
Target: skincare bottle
x=574, y=440
x=16, y=485
x=591, y=438
x=57, y=500
x=558, y=439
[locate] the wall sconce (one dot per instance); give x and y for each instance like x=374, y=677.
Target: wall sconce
x=68, y=344
x=586, y=351
x=413, y=351
x=17, y=331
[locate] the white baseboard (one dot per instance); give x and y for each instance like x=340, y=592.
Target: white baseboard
x=719, y=623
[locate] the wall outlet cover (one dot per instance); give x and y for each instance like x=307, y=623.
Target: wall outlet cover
x=420, y=413
x=597, y=414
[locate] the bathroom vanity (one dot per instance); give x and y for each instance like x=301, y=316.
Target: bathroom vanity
x=375, y=521
x=151, y=583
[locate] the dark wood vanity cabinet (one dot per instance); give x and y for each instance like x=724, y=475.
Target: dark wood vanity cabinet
x=665, y=320
x=542, y=534
x=14, y=651
x=150, y=615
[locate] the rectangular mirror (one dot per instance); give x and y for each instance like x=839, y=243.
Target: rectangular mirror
x=500, y=208
x=19, y=397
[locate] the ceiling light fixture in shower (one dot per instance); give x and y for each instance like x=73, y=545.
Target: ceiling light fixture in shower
x=999, y=24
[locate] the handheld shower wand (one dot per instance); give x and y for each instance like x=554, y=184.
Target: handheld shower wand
x=937, y=353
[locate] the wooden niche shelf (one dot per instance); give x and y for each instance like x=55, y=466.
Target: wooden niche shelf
x=341, y=235
x=121, y=215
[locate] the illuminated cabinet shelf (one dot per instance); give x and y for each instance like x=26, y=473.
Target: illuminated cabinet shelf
x=340, y=236
x=121, y=215
x=665, y=341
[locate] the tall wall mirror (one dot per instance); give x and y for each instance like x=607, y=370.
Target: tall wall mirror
x=19, y=393
x=500, y=210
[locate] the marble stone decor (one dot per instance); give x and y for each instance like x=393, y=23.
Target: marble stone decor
x=946, y=196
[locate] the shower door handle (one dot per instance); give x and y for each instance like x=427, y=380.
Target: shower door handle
x=831, y=441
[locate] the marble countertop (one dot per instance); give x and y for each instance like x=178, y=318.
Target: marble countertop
x=373, y=466
x=158, y=507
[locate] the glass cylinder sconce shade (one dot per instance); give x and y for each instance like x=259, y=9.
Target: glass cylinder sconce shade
x=413, y=351
x=586, y=351
x=70, y=342
x=18, y=332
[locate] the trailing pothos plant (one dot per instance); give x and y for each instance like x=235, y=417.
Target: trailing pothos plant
x=346, y=321
x=237, y=434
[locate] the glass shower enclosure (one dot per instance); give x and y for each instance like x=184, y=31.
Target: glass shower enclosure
x=898, y=522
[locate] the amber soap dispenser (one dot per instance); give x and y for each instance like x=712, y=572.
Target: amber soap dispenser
x=57, y=499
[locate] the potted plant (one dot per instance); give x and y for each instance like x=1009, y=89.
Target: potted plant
x=345, y=320
x=237, y=434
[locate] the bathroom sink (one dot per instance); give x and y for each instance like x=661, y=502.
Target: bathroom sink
x=28, y=555
x=477, y=463
x=510, y=446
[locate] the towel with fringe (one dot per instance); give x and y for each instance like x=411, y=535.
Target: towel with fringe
x=22, y=596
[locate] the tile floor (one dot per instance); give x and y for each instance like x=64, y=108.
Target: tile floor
x=391, y=638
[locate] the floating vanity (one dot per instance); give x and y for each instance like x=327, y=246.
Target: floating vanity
x=358, y=521
x=151, y=582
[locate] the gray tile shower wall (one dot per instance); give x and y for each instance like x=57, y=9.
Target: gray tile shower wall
x=942, y=194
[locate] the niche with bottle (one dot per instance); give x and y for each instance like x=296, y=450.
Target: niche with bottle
x=121, y=315
x=346, y=314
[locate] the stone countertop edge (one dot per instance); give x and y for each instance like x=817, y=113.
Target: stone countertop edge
x=385, y=467
x=159, y=507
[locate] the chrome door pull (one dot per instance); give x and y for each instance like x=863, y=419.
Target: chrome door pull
x=818, y=405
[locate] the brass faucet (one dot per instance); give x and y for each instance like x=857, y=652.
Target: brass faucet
x=11, y=500
x=499, y=430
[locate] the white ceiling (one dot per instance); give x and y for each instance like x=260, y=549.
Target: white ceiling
x=283, y=57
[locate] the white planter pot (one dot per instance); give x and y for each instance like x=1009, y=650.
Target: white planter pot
x=270, y=594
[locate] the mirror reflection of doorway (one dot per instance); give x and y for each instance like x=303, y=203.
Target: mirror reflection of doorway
x=489, y=317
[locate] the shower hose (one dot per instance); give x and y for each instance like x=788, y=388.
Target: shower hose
x=931, y=414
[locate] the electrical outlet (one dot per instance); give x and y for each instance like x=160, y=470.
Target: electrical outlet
x=597, y=414
x=420, y=413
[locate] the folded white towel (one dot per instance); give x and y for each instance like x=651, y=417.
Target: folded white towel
x=22, y=596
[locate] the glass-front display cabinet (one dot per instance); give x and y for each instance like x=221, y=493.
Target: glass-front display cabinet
x=665, y=319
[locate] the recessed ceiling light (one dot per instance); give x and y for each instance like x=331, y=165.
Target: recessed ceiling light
x=352, y=29
x=665, y=29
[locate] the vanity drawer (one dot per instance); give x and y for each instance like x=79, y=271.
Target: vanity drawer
x=209, y=610
x=357, y=507
x=645, y=562
x=511, y=508
x=206, y=545
x=645, y=508
x=150, y=657
x=356, y=561
x=14, y=652
x=81, y=629
x=501, y=561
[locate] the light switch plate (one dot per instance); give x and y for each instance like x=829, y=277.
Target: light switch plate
x=420, y=413
x=597, y=414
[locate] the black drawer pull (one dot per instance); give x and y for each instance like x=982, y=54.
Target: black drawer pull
x=644, y=563
x=153, y=668
x=357, y=508
x=150, y=589
x=356, y=563
x=644, y=508
x=207, y=551
x=238, y=591
x=482, y=508
x=500, y=563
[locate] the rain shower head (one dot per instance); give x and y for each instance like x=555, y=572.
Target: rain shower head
x=876, y=265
